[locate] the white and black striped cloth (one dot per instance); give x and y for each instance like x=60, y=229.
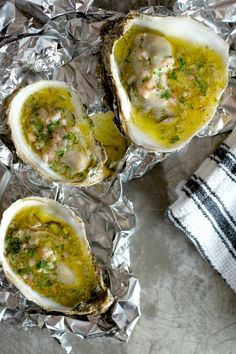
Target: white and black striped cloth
x=206, y=209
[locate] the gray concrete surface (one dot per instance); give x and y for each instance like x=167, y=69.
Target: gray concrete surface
x=186, y=307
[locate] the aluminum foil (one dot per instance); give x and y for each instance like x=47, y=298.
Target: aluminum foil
x=110, y=223
x=59, y=39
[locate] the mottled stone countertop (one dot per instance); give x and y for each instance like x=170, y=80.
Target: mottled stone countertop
x=186, y=307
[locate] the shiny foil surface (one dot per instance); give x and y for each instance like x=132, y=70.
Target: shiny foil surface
x=59, y=39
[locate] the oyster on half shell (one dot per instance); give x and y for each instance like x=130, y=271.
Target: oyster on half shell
x=167, y=74
x=45, y=254
x=52, y=132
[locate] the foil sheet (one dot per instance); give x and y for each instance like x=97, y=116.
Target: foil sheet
x=59, y=39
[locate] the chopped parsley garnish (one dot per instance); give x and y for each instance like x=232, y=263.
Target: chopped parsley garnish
x=182, y=64
x=202, y=86
x=165, y=94
x=38, y=126
x=42, y=264
x=173, y=75
x=31, y=252
x=24, y=270
x=174, y=139
x=71, y=137
x=52, y=125
x=60, y=153
x=13, y=244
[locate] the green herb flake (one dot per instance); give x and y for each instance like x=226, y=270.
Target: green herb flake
x=173, y=75
x=24, y=270
x=71, y=137
x=52, y=125
x=202, y=86
x=182, y=64
x=42, y=264
x=13, y=244
x=174, y=139
x=150, y=60
x=60, y=153
x=38, y=126
x=165, y=94
x=31, y=252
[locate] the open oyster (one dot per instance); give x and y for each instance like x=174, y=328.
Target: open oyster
x=45, y=253
x=51, y=131
x=167, y=74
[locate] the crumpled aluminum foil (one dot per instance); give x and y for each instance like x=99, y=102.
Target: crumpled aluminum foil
x=59, y=39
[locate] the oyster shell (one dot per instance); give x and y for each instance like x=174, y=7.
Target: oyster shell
x=45, y=253
x=51, y=132
x=167, y=74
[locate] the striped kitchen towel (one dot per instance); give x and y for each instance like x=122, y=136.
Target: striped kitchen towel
x=206, y=209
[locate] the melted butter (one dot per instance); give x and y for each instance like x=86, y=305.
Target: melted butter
x=109, y=136
x=193, y=87
x=55, y=99
x=49, y=257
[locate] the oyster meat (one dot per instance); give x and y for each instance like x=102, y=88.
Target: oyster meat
x=167, y=74
x=45, y=254
x=52, y=132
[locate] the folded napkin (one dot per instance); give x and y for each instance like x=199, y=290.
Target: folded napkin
x=206, y=209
